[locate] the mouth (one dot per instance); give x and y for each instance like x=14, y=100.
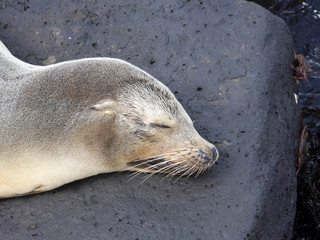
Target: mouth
x=185, y=162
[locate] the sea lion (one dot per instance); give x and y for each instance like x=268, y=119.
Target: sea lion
x=74, y=119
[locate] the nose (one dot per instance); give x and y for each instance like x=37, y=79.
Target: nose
x=215, y=153
x=207, y=157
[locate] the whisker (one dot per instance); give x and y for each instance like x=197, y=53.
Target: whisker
x=179, y=171
x=165, y=168
x=171, y=159
x=204, y=168
x=161, y=155
x=161, y=170
x=182, y=162
x=148, y=176
x=144, y=161
x=176, y=171
x=167, y=160
x=184, y=174
x=151, y=159
x=199, y=171
x=168, y=163
x=135, y=174
x=176, y=163
x=193, y=171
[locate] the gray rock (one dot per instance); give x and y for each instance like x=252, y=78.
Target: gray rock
x=227, y=61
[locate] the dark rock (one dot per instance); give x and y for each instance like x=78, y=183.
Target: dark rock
x=227, y=61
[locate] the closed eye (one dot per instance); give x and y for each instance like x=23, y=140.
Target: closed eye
x=161, y=125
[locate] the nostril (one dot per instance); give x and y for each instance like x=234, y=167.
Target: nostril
x=215, y=153
x=207, y=157
x=204, y=156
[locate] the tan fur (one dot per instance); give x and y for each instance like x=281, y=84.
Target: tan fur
x=75, y=119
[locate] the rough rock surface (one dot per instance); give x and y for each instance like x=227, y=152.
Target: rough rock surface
x=227, y=62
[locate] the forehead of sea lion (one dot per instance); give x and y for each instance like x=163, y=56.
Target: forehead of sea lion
x=153, y=101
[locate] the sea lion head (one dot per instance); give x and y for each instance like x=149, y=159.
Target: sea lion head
x=153, y=132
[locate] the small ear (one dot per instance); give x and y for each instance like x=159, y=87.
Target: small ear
x=105, y=106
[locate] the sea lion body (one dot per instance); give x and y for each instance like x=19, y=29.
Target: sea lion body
x=79, y=118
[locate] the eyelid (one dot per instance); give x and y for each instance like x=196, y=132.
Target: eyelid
x=160, y=125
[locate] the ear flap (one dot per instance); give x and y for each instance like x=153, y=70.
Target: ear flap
x=105, y=106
